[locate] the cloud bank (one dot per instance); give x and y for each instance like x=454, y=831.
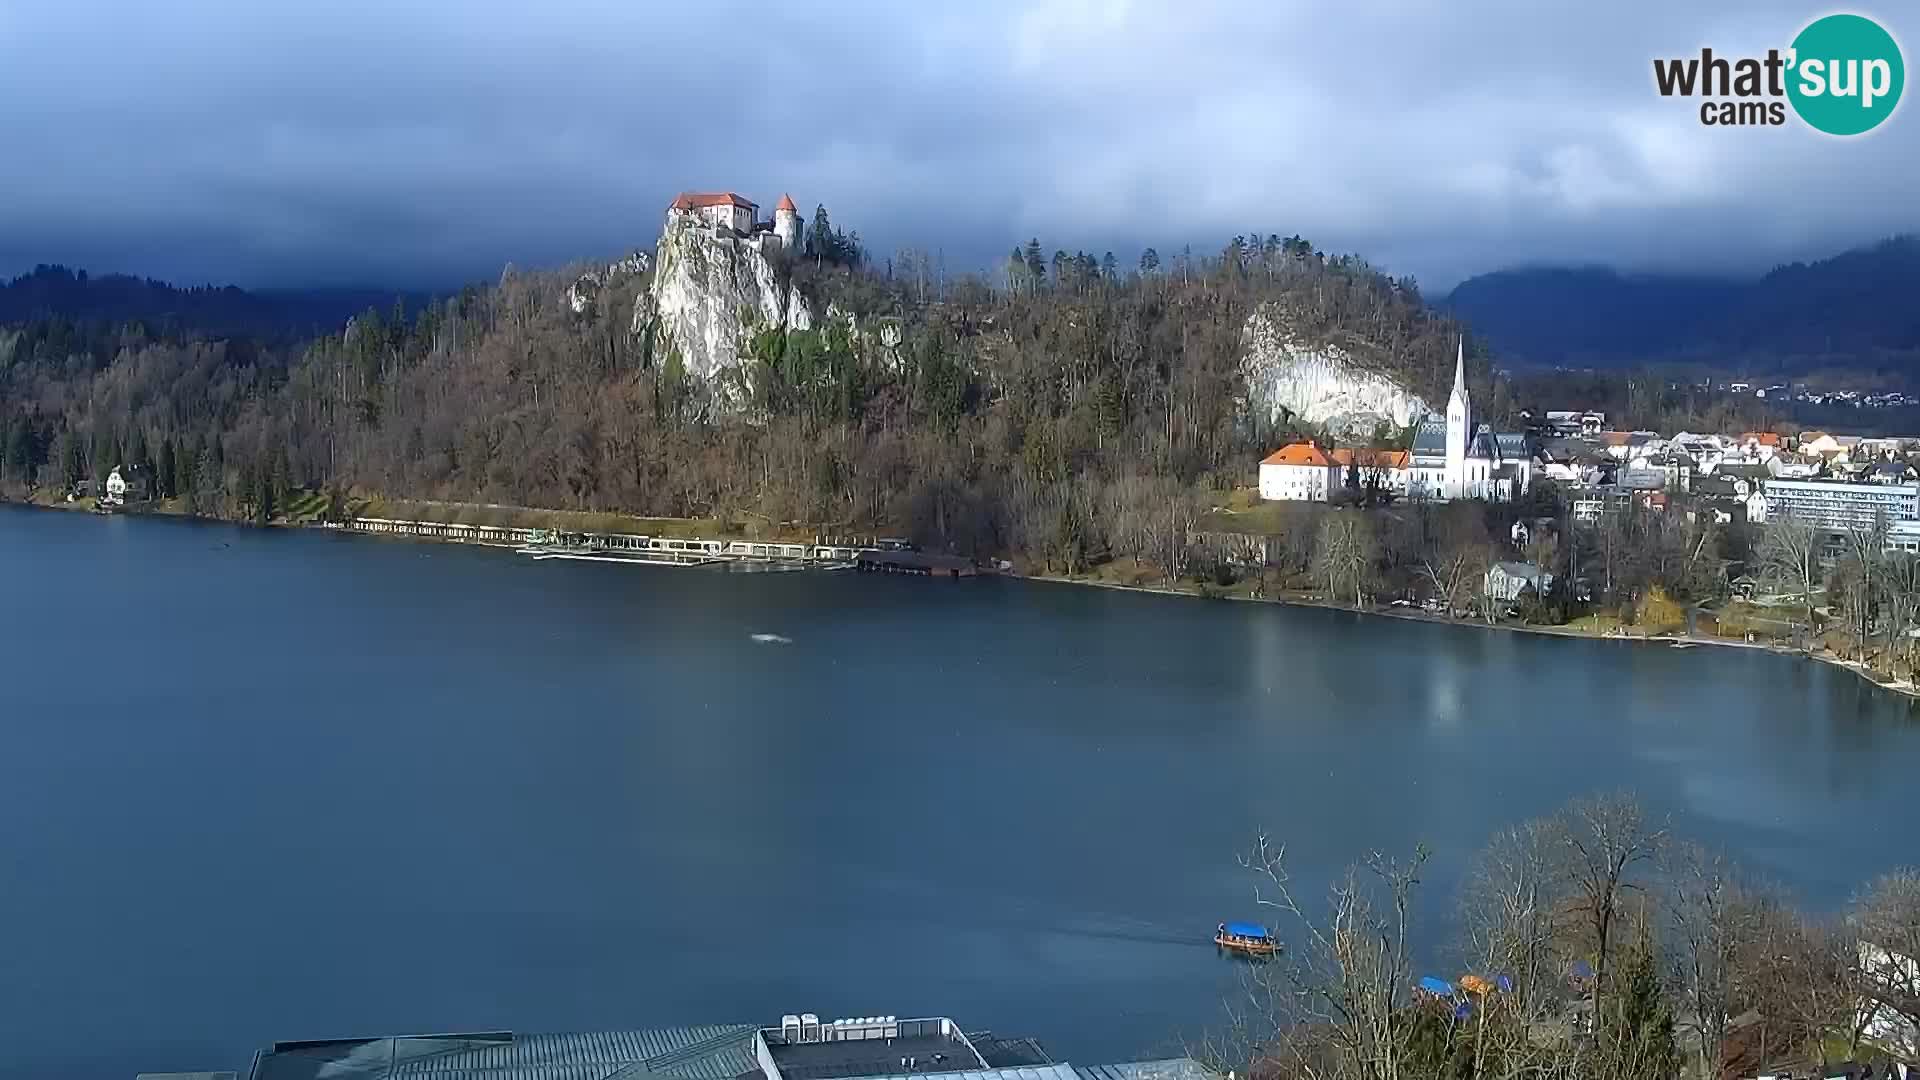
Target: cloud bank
x=429, y=143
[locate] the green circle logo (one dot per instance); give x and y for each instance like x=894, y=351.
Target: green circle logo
x=1846, y=74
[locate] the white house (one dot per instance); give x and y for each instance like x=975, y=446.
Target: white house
x=1299, y=472
x=1821, y=443
x=1453, y=459
x=1505, y=581
x=128, y=483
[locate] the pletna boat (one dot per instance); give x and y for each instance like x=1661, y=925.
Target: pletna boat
x=1249, y=938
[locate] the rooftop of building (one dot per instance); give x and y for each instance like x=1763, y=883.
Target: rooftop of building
x=1300, y=453
x=865, y=1049
x=1368, y=458
x=710, y=1052
x=693, y=200
x=883, y=1047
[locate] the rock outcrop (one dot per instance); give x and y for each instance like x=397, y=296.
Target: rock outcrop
x=586, y=288
x=1322, y=385
x=711, y=292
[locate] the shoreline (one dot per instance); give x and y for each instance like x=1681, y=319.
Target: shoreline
x=1909, y=690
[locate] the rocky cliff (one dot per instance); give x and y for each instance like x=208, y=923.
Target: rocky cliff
x=585, y=291
x=1323, y=385
x=710, y=294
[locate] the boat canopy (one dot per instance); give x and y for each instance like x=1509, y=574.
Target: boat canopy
x=1247, y=930
x=1432, y=985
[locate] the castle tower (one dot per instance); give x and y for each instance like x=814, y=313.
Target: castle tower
x=786, y=223
x=1459, y=432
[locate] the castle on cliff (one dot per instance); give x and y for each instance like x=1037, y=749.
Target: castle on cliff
x=735, y=217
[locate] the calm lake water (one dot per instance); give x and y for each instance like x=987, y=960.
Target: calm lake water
x=275, y=785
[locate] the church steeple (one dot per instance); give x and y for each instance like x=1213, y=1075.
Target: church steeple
x=1459, y=428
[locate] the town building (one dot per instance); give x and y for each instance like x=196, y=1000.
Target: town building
x=1300, y=472
x=728, y=214
x=1455, y=459
x=1733, y=498
x=1758, y=445
x=1840, y=507
x=1507, y=581
x=1588, y=505
x=1904, y=536
x=1308, y=472
x=802, y=1047
x=128, y=483
x=1819, y=443
x=1363, y=468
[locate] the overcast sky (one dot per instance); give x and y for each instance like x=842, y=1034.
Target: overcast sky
x=429, y=142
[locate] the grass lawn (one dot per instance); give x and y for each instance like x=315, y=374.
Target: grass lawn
x=1242, y=511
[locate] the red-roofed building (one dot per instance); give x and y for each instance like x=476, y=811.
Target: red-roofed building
x=1300, y=472
x=719, y=209
x=725, y=210
x=1381, y=470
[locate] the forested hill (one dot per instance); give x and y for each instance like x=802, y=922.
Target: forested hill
x=1854, y=310
x=1062, y=410
x=116, y=300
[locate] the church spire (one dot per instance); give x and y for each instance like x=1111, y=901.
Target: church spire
x=1460, y=369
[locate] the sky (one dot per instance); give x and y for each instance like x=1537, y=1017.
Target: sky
x=427, y=143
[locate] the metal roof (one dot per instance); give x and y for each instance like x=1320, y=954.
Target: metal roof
x=1430, y=437
x=709, y=1052
x=1024, y=1072
x=1163, y=1069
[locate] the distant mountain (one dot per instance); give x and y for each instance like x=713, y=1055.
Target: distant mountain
x=1853, y=310
x=277, y=315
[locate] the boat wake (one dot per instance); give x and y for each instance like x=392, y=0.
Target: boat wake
x=771, y=639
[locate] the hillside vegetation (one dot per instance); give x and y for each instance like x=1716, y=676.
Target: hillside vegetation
x=1062, y=412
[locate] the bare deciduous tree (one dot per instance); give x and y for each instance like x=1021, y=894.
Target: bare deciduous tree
x=1886, y=919
x=1789, y=558
x=1710, y=920
x=1336, y=1005
x=1609, y=844
x=1344, y=554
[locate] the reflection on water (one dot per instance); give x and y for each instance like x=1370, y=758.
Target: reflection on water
x=395, y=788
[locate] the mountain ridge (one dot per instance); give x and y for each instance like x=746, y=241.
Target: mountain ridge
x=1850, y=309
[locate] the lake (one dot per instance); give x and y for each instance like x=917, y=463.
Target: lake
x=263, y=785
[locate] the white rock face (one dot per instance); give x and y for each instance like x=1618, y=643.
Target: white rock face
x=1321, y=386
x=710, y=294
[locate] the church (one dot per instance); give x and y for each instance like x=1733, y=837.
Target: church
x=1455, y=459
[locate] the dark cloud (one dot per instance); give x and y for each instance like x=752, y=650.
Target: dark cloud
x=429, y=143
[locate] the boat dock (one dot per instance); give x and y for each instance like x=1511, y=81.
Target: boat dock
x=878, y=561
x=879, y=556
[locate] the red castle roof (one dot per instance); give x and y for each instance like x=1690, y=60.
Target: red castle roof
x=692, y=200
x=786, y=203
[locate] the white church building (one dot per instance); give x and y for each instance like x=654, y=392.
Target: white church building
x=731, y=215
x=1455, y=459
